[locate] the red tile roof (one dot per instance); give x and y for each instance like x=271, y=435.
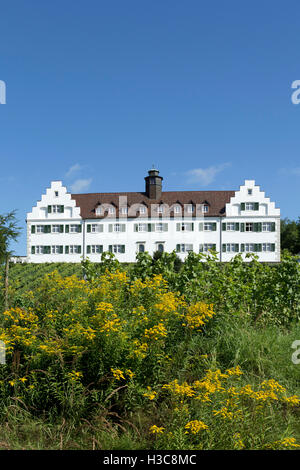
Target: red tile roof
x=215, y=199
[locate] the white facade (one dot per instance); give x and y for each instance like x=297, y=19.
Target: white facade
x=57, y=232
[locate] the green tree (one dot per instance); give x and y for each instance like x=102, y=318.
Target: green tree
x=9, y=231
x=290, y=235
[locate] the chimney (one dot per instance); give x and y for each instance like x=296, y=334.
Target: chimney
x=153, y=184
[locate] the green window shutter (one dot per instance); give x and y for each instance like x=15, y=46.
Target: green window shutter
x=79, y=249
x=255, y=247
x=32, y=228
x=236, y=248
x=242, y=206
x=165, y=227
x=242, y=227
x=200, y=248
x=149, y=227
x=101, y=228
x=259, y=247
x=255, y=227
x=88, y=249
x=178, y=227
x=223, y=248
x=201, y=227
x=135, y=227
x=101, y=248
x=88, y=228
x=47, y=250
x=224, y=226
x=273, y=227
x=79, y=228
x=33, y=250
x=242, y=247
x=152, y=227
x=192, y=226
x=256, y=206
x=110, y=227
x=214, y=226
x=178, y=248
x=110, y=248
x=122, y=248
x=272, y=246
x=214, y=247
x=61, y=229
x=67, y=249
x=61, y=249
x=259, y=227
x=237, y=227
x=67, y=228
x=61, y=209
x=123, y=228
x=49, y=209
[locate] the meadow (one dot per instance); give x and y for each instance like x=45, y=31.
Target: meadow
x=155, y=355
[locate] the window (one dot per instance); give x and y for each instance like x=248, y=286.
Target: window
x=208, y=226
x=184, y=247
x=160, y=247
x=249, y=191
x=249, y=247
x=141, y=247
x=159, y=227
x=75, y=228
x=142, y=227
x=111, y=210
x=231, y=247
x=55, y=229
x=142, y=210
x=56, y=193
x=249, y=206
x=98, y=210
x=124, y=210
x=207, y=246
x=73, y=249
x=185, y=227
x=39, y=250
x=57, y=209
x=230, y=226
x=160, y=209
x=267, y=226
x=94, y=228
x=56, y=249
x=117, y=227
x=177, y=209
x=189, y=208
x=205, y=208
x=39, y=229
x=94, y=249
x=249, y=227
x=117, y=248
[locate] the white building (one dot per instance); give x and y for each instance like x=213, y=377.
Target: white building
x=72, y=227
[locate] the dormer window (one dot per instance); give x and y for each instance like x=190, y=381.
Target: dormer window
x=98, y=210
x=177, y=209
x=190, y=208
x=111, y=210
x=205, y=208
x=160, y=209
x=142, y=210
x=124, y=210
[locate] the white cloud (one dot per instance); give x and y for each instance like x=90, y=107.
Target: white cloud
x=80, y=185
x=73, y=169
x=205, y=176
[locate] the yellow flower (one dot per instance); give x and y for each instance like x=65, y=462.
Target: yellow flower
x=23, y=379
x=156, y=430
x=12, y=382
x=151, y=394
x=195, y=426
x=118, y=374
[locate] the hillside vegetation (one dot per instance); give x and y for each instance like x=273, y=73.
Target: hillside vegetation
x=154, y=355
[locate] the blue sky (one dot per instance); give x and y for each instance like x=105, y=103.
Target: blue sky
x=99, y=91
